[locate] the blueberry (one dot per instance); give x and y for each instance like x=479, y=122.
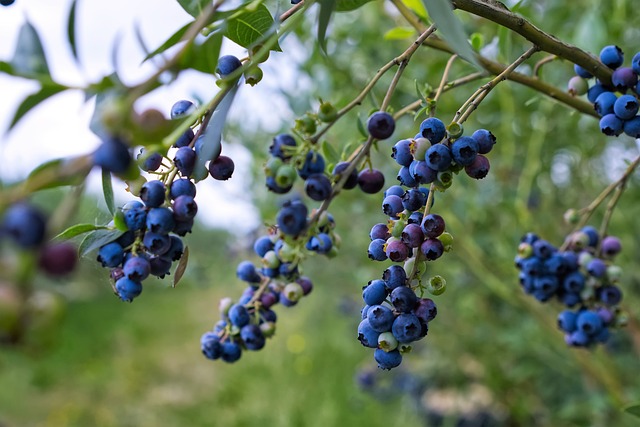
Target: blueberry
x=425, y=310
x=210, y=345
x=112, y=155
x=432, y=249
x=318, y=187
x=610, y=246
x=597, y=267
x=185, y=139
x=592, y=234
x=479, y=168
x=247, y=272
x=181, y=228
x=252, y=337
x=24, y=224
x=137, y=268
x=321, y=243
x=379, y=231
x=370, y=181
x=352, y=180
x=376, y=250
x=635, y=63
x=262, y=245
x=392, y=206
x=589, y=322
x=433, y=129
x=547, y=285
x=7, y=2
x=292, y=218
x=422, y=173
x=406, y=178
x=611, y=56
x=58, y=259
x=464, y=150
x=184, y=208
x=152, y=193
x=594, y=92
x=401, y=152
x=543, y=249
x=182, y=187
x=381, y=125
x=404, y=299
x=582, y=72
x=578, y=339
x=227, y=64
x=397, y=251
x=279, y=146
x=406, y=328
x=412, y=235
x=160, y=220
x=313, y=163
x=610, y=295
x=387, y=360
x=380, y=317
x=182, y=108
x=573, y=282
x=604, y=103
x=175, y=251
x=231, y=352
x=630, y=127
x=151, y=162
x=438, y=157
x=156, y=244
x=111, y=255
x=433, y=225
x=306, y=284
x=367, y=336
x=626, y=107
x=624, y=78
x=394, y=276
x=239, y=315
x=394, y=190
x=375, y=292
x=128, y=289
x=221, y=168
x=185, y=161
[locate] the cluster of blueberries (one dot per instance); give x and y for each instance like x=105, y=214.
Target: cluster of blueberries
x=25, y=226
x=619, y=113
x=581, y=276
x=394, y=315
x=289, y=161
x=152, y=226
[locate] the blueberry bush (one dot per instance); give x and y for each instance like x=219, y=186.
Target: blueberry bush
x=410, y=123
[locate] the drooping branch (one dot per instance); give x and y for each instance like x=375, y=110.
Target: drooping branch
x=500, y=14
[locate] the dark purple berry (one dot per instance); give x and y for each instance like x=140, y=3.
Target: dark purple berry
x=113, y=155
x=433, y=225
x=432, y=249
x=624, y=78
x=136, y=268
x=24, y=224
x=397, y=251
x=58, y=259
x=352, y=180
x=610, y=246
x=479, y=168
x=370, y=181
x=292, y=218
x=404, y=299
x=184, y=208
x=381, y=125
x=185, y=161
x=318, y=187
x=279, y=144
x=221, y=168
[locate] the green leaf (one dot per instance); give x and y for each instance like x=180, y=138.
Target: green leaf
x=193, y=7
x=204, y=57
x=450, y=27
x=28, y=57
x=416, y=7
x=58, y=173
x=71, y=29
x=96, y=239
x=399, y=33
x=78, y=229
x=361, y=128
x=34, y=99
x=212, y=137
x=107, y=189
x=170, y=42
x=477, y=41
x=182, y=267
x=633, y=409
x=330, y=153
x=327, y=8
x=251, y=26
x=349, y=5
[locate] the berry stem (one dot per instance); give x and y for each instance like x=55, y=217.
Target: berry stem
x=427, y=209
x=479, y=95
x=440, y=91
x=538, y=66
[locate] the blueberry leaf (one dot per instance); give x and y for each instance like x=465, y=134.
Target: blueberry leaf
x=349, y=5
x=28, y=58
x=250, y=26
x=174, y=39
x=182, y=267
x=416, y=7
x=633, y=409
x=107, y=189
x=330, y=153
x=96, y=239
x=204, y=56
x=71, y=29
x=46, y=91
x=193, y=7
x=327, y=8
x=399, y=33
x=58, y=173
x=450, y=27
x=78, y=229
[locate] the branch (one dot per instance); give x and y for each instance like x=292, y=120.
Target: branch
x=498, y=13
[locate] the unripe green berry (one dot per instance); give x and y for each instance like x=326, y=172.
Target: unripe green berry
x=614, y=273
x=447, y=241
x=455, y=130
x=253, y=75
x=437, y=285
x=404, y=348
x=398, y=226
x=306, y=124
x=287, y=252
x=571, y=216
x=286, y=176
x=327, y=112
x=622, y=319
x=293, y=291
x=444, y=180
x=525, y=250
x=577, y=86
x=579, y=240
x=419, y=148
x=268, y=329
x=271, y=260
x=387, y=342
x=584, y=259
x=224, y=305
x=272, y=166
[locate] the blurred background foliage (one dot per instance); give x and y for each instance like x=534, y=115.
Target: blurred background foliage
x=493, y=355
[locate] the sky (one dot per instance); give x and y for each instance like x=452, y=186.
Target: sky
x=59, y=126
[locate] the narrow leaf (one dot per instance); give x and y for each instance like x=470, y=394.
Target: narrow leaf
x=330, y=153
x=71, y=29
x=399, y=33
x=251, y=26
x=58, y=173
x=416, y=7
x=204, y=57
x=28, y=57
x=170, y=42
x=633, y=409
x=451, y=29
x=107, y=189
x=96, y=239
x=349, y=5
x=34, y=99
x=327, y=8
x=140, y=39
x=212, y=137
x=182, y=267
x=78, y=229
x=361, y=128
x=193, y=7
